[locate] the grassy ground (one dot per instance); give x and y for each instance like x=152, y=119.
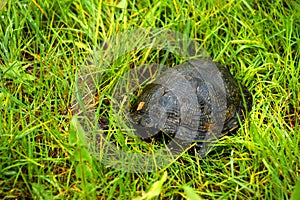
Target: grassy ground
x=43, y=42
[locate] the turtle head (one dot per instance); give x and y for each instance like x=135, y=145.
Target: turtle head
x=156, y=107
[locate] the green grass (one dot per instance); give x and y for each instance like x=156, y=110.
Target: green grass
x=42, y=43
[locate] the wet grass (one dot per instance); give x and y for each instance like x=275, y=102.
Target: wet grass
x=42, y=43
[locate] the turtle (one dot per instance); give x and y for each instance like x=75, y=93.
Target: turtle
x=196, y=102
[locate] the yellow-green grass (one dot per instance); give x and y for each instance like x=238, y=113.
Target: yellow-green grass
x=42, y=44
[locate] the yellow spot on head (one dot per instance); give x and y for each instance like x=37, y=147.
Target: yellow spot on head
x=140, y=106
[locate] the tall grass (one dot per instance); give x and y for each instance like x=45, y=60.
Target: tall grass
x=42, y=43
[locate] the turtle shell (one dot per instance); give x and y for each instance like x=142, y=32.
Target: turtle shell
x=197, y=101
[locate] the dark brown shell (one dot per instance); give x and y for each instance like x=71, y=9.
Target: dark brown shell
x=211, y=96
